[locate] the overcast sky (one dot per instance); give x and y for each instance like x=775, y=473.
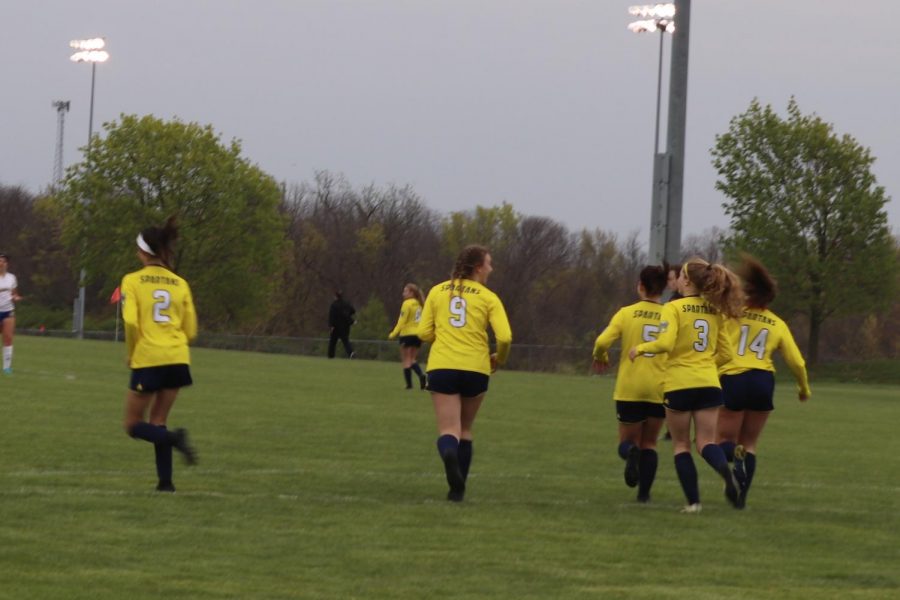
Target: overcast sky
x=546, y=104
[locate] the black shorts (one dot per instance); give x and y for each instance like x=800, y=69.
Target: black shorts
x=467, y=384
x=750, y=390
x=6, y=314
x=693, y=399
x=410, y=341
x=638, y=412
x=165, y=377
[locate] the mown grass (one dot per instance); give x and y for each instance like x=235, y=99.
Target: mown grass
x=319, y=479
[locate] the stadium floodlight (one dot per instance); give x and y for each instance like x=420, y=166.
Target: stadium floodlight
x=90, y=51
x=653, y=18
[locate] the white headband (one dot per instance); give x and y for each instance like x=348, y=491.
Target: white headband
x=144, y=246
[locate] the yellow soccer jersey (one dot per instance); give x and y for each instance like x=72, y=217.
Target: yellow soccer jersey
x=159, y=317
x=408, y=323
x=456, y=317
x=755, y=337
x=692, y=332
x=641, y=380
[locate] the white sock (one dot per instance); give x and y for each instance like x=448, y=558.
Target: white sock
x=7, y=357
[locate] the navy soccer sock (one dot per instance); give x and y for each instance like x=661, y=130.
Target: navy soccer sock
x=749, y=468
x=728, y=448
x=687, y=476
x=154, y=434
x=714, y=455
x=163, y=460
x=624, y=447
x=407, y=376
x=447, y=443
x=416, y=369
x=465, y=457
x=647, y=470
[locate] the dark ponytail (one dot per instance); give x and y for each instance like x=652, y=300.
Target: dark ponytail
x=654, y=278
x=161, y=241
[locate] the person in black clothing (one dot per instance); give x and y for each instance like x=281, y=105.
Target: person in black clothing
x=340, y=318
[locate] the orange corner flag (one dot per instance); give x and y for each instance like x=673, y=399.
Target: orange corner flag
x=116, y=296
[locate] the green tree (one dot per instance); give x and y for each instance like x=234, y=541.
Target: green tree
x=804, y=200
x=145, y=169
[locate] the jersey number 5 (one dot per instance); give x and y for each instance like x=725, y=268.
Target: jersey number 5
x=458, y=310
x=649, y=334
x=163, y=301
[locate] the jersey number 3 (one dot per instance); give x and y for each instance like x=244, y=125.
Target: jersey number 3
x=458, y=311
x=163, y=301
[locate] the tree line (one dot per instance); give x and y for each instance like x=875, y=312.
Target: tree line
x=265, y=258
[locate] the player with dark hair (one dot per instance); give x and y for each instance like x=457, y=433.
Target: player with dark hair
x=456, y=317
x=160, y=322
x=639, y=385
x=9, y=295
x=748, y=379
x=407, y=328
x=692, y=332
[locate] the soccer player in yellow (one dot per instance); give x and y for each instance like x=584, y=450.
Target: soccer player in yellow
x=456, y=316
x=159, y=317
x=748, y=379
x=692, y=333
x=639, y=385
x=407, y=328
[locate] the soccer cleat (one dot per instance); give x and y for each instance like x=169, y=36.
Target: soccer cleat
x=692, y=508
x=165, y=486
x=632, y=474
x=643, y=499
x=455, y=496
x=7, y=371
x=454, y=476
x=409, y=387
x=732, y=489
x=181, y=443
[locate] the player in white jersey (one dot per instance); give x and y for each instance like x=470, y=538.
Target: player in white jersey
x=9, y=295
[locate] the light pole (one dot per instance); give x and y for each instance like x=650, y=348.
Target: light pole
x=657, y=17
x=91, y=51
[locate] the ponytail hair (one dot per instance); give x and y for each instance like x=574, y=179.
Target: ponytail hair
x=417, y=293
x=654, y=278
x=161, y=241
x=717, y=285
x=470, y=258
x=759, y=286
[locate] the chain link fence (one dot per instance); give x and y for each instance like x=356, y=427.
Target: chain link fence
x=523, y=357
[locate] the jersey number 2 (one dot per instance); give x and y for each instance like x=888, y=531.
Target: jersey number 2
x=163, y=301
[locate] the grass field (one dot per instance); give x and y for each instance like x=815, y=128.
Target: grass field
x=319, y=479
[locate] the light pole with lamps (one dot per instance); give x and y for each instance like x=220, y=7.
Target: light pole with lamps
x=91, y=51
x=657, y=17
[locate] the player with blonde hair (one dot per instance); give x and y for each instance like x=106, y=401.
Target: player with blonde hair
x=692, y=332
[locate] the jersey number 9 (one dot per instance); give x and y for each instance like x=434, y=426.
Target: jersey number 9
x=458, y=311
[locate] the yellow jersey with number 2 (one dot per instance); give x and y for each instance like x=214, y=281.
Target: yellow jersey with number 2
x=455, y=317
x=160, y=321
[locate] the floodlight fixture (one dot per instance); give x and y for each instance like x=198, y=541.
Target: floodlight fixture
x=90, y=50
x=654, y=17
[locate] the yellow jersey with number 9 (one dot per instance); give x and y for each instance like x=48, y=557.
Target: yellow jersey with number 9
x=455, y=317
x=160, y=321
